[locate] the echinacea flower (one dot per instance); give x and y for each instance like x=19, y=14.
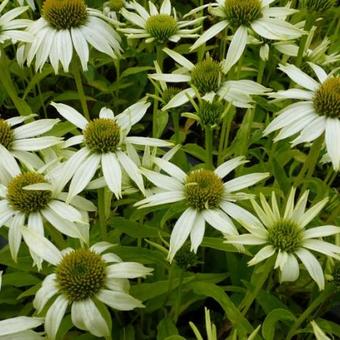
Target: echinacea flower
x=112, y=7
x=241, y=15
x=106, y=144
x=32, y=198
x=206, y=198
x=159, y=26
x=11, y=27
x=20, y=327
x=285, y=236
x=16, y=142
x=64, y=26
x=208, y=78
x=316, y=112
x=82, y=276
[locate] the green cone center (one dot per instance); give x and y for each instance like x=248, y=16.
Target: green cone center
x=81, y=274
x=210, y=113
x=102, y=135
x=65, y=14
x=203, y=189
x=242, y=12
x=206, y=76
x=27, y=201
x=161, y=26
x=327, y=98
x=285, y=235
x=6, y=134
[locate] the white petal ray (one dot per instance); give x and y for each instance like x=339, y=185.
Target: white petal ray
x=319, y=71
x=179, y=59
x=65, y=210
x=127, y=270
x=171, y=169
x=7, y=159
x=55, y=315
x=181, y=231
x=47, y=291
x=112, y=173
x=332, y=138
x=80, y=46
x=35, y=128
x=118, y=300
x=71, y=115
x=14, y=234
x=16, y=325
x=228, y=166
x=322, y=231
x=161, y=198
x=163, y=181
x=197, y=233
x=220, y=221
x=180, y=99
x=245, y=181
x=290, y=270
x=262, y=255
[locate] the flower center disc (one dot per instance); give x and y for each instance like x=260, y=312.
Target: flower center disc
x=161, y=26
x=206, y=76
x=242, y=12
x=6, y=134
x=81, y=274
x=285, y=236
x=203, y=189
x=65, y=14
x=27, y=201
x=210, y=113
x=327, y=98
x=102, y=135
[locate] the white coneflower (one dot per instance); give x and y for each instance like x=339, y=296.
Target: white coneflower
x=205, y=196
x=317, y=111
x=67, y=25
x=112, y=7
x=160, y=26
x=17, y=142
x=20, y=327
x=11, y=27
x=207, y=77
x=82, y=276
x=32, y=198
x=285, y=236
x=106, y=144
x=241, y=15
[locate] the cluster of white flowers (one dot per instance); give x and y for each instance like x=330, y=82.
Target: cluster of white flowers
x=44, y=179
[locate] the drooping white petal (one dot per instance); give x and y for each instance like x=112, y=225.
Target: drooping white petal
x=85, y=315
x=313, y=267
x=14, y=234
x=236, y=48
x=47, y=291
x=225, y=168
x=112, y=173
x=293, y=94
x=181, y=231
x=80, y=46
x=18, y=324
x=8, y=160
x=197, y=233
x=41, y=246
x=244, y=181
x=71, y=115
x=300, y=77
x=65, y=211
x=209, y=33
x=179, y=59
x=118, y=300
x=290, y=270
x=127, y=270
x=311, y=132
x=54, y=316
x=323, y=247
x=162, y=181
x=180, y=99
x=319, y=71
x=220, y=221
x=332, y=138
x=83, y=175
x=262, y=255
x=171, y=169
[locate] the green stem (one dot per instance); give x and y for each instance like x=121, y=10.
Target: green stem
x=175, y=120
x=80, y=88
x=155, y=125
x=7, y=83
x=258, y=279
x=311, y=161
x=179, y=295
x=308, y=25
x=101, y=212
x=321, y=298
x=226, y=121
x=260, y=72
x=209, y=146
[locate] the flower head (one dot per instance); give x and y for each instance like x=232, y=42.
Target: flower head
x=205, y=196
x=64, y=26
x=207, y=80
x=243, y=15
x=285, y=236
x=106, y=144
x=160, y=26
x=317, y=111
x=82, y=276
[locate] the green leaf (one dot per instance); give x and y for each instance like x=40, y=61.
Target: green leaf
x=231, y=311
x=269, y=324
x=19, y=279
x=166, y=328
x=134, y=70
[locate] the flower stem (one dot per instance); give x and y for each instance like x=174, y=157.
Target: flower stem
x=101, y=212
x=175, y=120
x=80, y=88
x=310, y=163
x=209, y=146
x=179, y=295
x=6, y=81
x=308, y=25
x=224, y=135
x=321, y=298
